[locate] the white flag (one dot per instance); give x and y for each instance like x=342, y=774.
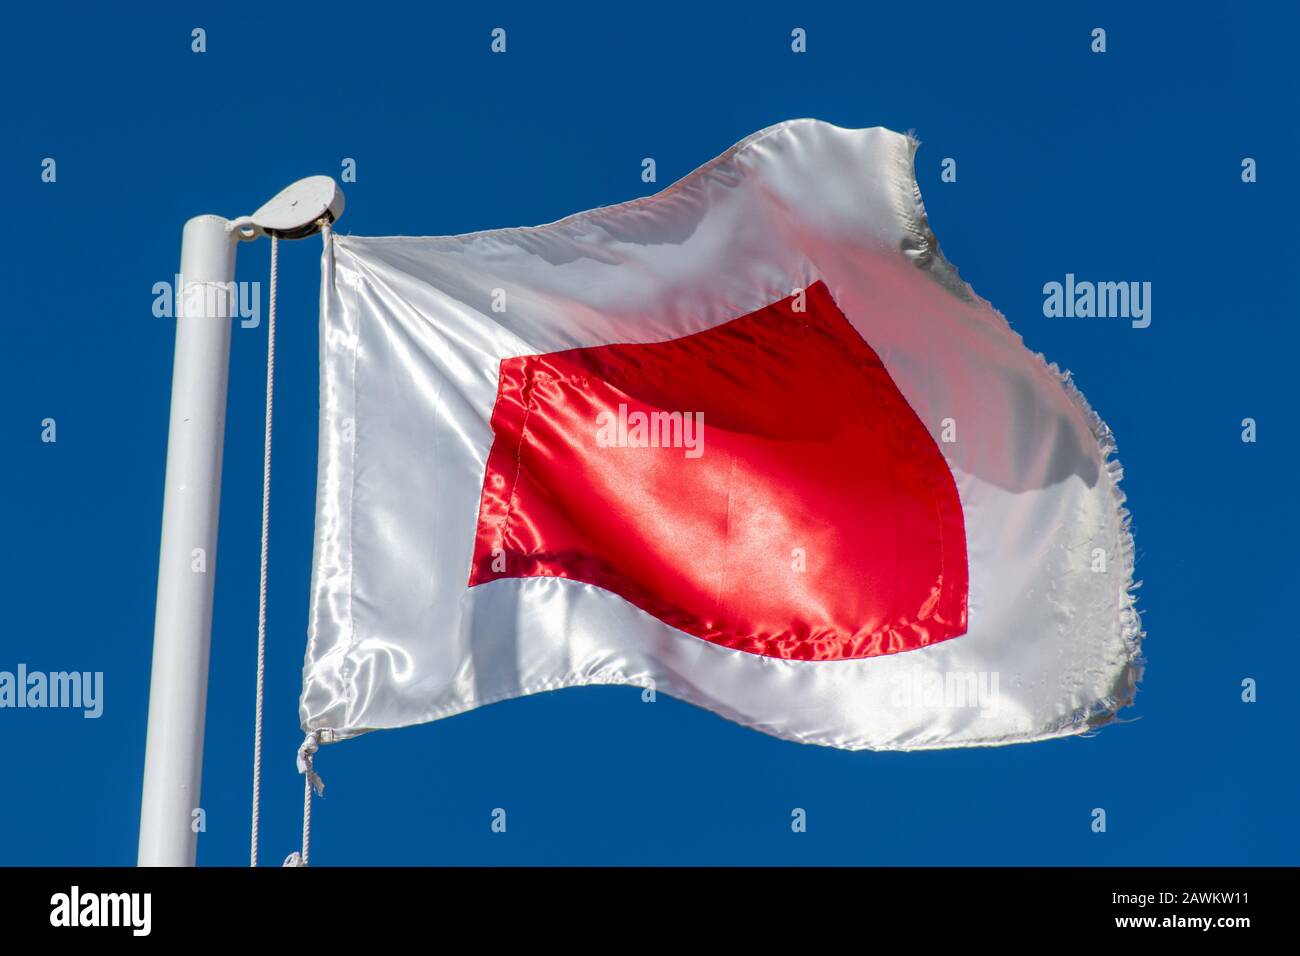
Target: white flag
x=749, y=441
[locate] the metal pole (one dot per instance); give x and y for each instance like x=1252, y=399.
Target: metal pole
x=182, y=630
x=187, y=561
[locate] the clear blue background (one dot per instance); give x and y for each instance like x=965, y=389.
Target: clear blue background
x=1117, y=166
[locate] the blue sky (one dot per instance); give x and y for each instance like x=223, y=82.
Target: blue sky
x=1119, y=166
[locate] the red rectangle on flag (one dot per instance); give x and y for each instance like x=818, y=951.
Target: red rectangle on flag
x=762, y=485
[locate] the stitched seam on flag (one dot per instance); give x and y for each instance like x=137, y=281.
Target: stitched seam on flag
x=492, y=502
x=347, y=523
x=525, y=396
x=313, y=630
x=355, y=343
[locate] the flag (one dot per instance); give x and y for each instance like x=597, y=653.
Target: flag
x=750, y=442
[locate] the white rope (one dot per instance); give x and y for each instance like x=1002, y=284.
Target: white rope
x=306, y=821
x=311, y=743
x=311, y=781
x=266, y=525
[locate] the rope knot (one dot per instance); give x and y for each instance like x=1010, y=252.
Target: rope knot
x=306, y=753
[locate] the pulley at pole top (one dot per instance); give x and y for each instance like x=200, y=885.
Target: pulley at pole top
x=178, y=685
x=295, y=212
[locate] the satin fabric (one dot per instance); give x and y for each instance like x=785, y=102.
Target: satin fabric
x=411, y=355
x=795, y=506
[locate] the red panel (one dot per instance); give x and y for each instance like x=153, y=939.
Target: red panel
x=811, y=516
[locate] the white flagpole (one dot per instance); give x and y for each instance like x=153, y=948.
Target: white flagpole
x=187, y=560
x=178, y=686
